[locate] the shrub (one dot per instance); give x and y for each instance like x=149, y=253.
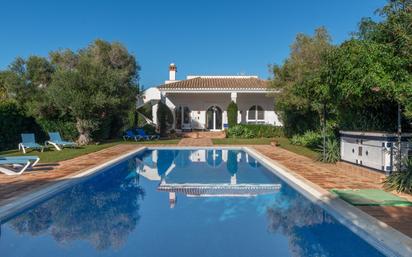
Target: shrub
x=132, y=119
x=401, y=181
x=332, y=151
x=146, y=111
x=232, y=114
x=297, y=121
x=310, y=139
x=235, y=131
x=66, y=128
x=248, y=133
x=13, y=122
x=254, y=131
x=149, y=129
x=165, y=118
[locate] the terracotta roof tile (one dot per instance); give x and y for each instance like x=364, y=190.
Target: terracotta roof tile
x=217, y=83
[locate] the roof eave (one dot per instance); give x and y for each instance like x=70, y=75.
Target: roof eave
x=222, y=90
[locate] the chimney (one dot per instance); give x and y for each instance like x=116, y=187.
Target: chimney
x=172, y=72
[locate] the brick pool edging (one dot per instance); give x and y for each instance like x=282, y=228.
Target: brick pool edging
x=31, y=198
x=386, y=239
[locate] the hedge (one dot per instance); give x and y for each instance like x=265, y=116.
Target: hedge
x=13, y=122
x=254, y=131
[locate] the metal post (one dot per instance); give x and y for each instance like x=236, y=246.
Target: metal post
x=399, y=138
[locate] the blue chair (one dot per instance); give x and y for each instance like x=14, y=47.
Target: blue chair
x=57, y=141
x=128, y=134
x=8, y=165
x=145, y=136
x=29, y=142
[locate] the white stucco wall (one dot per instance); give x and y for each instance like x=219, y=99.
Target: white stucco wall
x=151, y=94
x=198, y=103
x=246, y=100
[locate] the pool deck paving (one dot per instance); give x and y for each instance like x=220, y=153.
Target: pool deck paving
x=327, y=176
x=195, y=142
x=343, y=176
x=45, y=174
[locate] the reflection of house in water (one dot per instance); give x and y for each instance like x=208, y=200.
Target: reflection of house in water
x=148, y=167
x=206, y=173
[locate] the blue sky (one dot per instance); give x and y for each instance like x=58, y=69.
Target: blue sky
x=202, y=37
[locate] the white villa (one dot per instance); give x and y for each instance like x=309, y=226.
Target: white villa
x=200, y=102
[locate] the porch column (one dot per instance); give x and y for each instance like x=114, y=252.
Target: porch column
x=154, y=113
x=233, y=97
x=174, y=118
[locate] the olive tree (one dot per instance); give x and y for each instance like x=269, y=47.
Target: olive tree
x=93, y=83
x=301, y=99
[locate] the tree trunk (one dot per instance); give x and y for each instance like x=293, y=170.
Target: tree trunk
x=84, y=128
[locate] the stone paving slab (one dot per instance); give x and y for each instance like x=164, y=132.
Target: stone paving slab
x=204, y=134
x=328, y=176
x=344, y=176
x=44, y=175
x=196, y=142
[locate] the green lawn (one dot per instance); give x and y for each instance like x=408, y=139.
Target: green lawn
x=242, y=141
x=69, y=153
x=54, y=156
x=282, y=141
x=302, y=150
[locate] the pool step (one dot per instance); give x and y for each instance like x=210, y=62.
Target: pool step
x=222, y=190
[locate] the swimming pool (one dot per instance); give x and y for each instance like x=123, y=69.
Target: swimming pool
x=170, y=202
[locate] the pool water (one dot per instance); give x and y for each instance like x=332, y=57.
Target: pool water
x=200, y=202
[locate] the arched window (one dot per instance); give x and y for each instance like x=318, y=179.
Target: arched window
x=256, y=114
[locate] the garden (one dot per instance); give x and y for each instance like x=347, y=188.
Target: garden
x=89, y=96
x=361, y=84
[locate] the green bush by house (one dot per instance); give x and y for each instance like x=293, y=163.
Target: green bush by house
x=165, y=118
x=310, y=139
x=331, y=152
x=149, y=129
x=401, y=181
x=232, y=114
x=254, y=131
x=66, y=127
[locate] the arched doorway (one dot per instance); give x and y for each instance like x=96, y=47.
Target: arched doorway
x=214, y=118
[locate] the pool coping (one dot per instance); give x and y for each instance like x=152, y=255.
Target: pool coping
x=386, y=239
x=38, y=195
x=383, y=237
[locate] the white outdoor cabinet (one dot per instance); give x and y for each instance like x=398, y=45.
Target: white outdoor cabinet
x=376, y=150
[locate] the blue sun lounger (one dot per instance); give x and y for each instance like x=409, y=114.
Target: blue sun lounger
x=29, y=142
x=145, y=136
x=16, y=165
x=57, y=141
x=128, y=134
